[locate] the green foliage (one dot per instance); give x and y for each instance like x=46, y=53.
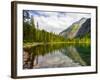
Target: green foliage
x=75, y=27
x=28, y=32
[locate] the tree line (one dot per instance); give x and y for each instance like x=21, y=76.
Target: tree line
x=32, y=34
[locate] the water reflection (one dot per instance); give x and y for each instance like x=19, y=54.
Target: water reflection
x=56, y=55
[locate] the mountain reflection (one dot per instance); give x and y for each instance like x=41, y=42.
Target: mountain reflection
x=56, y=55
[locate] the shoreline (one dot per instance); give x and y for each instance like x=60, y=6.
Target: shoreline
x=27, y=45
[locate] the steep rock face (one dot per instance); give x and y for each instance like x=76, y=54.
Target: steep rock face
x=86, y=28
x=79, y=28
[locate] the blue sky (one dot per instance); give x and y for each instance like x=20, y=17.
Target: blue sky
x=56, y=21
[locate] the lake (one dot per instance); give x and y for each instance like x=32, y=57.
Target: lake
x=56, y=56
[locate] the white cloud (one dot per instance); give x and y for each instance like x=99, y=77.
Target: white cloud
x=57, y=21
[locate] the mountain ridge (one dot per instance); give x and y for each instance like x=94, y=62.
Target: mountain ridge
x=77, y=29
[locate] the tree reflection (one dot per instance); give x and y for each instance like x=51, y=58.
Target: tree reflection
x=31, y=55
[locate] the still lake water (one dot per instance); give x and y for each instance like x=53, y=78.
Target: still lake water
x=56, y=55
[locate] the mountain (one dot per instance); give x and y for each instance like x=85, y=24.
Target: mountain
x=77, y=29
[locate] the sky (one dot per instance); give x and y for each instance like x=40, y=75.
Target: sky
x=56, y=22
